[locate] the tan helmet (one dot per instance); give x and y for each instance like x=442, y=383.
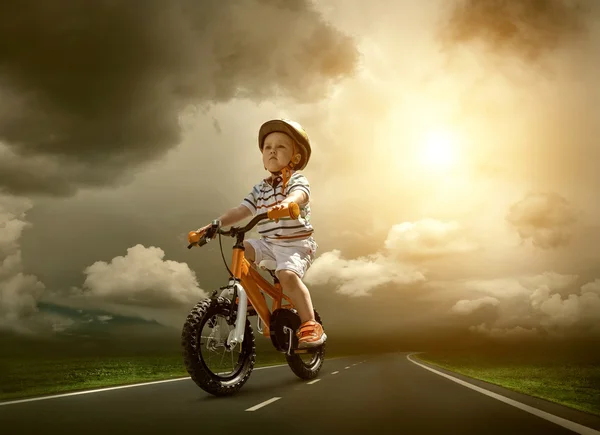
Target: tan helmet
x=292, y=129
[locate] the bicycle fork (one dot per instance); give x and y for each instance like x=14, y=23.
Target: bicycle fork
x=237, y=335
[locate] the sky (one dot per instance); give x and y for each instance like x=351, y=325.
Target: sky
x=453, y=173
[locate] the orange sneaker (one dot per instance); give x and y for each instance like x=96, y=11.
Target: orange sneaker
x=310, y=334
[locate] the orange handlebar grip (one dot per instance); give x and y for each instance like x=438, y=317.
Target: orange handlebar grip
x=292, y=210
x=194, y=237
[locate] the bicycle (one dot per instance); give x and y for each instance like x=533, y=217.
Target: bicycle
x=243, y=297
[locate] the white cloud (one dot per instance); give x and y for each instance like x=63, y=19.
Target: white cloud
x=566, y=312
x=500, y=287
x=548, y=303
x=19, y=292
x=521, y=286
x=360, y=276
x=104, y=318
x=142, y=278
x=428, y=238
x=406, y=244
x=544, y=218
x=61, y=324
x=506, y=333
x=466, y=306
x=554, y=281
x=140, y=284
x=591, y=287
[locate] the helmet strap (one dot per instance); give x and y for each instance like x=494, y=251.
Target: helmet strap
x=286, y=172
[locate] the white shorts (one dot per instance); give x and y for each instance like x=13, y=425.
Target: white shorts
x=294, y=255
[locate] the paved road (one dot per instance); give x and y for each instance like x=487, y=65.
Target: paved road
x=385, y=394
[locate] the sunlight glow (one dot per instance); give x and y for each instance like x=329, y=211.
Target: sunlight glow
x=439, y=149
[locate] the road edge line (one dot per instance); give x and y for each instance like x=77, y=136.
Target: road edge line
x=118, y=387
x=568, y=424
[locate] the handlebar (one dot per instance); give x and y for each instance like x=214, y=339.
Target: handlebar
x=201, y=239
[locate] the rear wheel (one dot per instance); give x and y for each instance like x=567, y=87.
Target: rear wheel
x=307, y=365
x=212, y=365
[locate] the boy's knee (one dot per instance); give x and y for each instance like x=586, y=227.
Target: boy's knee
x=287, y=276
x=249, y=251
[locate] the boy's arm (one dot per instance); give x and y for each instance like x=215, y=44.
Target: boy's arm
x=234, y=215
x=299, y=190
x=230, y=217
x=298, y=196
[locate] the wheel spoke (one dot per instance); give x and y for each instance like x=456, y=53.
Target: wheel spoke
x=222, y=356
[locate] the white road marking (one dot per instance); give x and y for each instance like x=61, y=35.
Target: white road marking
x=346, y=368
x=571, y=425
x=118, y=387
x=334, y=373
x=265, y=403
x=313, y=382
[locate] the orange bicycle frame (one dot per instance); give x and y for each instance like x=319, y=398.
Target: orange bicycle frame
x=253, y=282
x=250, y=279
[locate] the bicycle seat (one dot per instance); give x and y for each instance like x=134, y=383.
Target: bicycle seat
x=268, y=264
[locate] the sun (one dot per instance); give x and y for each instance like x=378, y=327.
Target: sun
x=439, y=149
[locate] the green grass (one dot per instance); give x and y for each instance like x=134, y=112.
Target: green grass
x=40, y=370
x=556, y=378
x=35, y=366
x=27, y=377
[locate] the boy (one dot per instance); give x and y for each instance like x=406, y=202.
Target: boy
x=285, y=150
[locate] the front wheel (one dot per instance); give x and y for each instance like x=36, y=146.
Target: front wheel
x=307, y=365
x=212, y=365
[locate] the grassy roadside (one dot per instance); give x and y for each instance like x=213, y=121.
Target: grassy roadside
x=557, y=378
x=26, y=377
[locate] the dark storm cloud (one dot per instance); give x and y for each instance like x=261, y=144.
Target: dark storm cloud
x=99, y=86
x=525, y=28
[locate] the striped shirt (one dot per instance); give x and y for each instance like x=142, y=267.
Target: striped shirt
x=263, y=196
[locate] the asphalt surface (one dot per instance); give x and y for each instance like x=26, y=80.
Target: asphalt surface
x=384, y=394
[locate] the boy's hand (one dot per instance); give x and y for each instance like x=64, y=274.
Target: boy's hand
x=194, y=236
x=279, y=206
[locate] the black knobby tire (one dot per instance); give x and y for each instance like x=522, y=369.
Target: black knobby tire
x=307, y=370
x=195, y=364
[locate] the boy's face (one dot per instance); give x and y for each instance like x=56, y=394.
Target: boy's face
x=277, y=151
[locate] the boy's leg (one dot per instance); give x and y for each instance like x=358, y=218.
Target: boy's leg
x=298, y=293
x=293, y=260
x=310, y=333
x=257, y=250
x=292, y=263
